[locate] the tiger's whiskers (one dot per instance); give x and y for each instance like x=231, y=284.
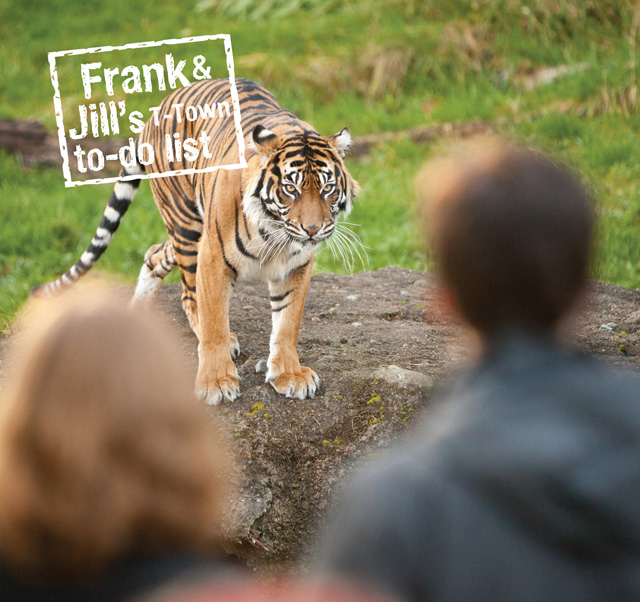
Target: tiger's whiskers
x=348, y=245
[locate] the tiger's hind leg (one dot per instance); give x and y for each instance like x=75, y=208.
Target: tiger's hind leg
x=159, y=261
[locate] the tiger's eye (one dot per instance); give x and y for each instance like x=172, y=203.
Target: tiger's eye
x=290, y=188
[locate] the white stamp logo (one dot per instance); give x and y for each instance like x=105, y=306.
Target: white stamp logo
x=103, y=110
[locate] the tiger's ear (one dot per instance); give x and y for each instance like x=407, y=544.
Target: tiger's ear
x=341, y=141
x=264, y=140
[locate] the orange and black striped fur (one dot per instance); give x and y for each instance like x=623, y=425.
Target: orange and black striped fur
x=264, y=221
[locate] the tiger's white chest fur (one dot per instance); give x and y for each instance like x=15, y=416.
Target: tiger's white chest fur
x=275, y=269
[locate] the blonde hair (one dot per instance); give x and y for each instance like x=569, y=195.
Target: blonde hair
x=104, y=450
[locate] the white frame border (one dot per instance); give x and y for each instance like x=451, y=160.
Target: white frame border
x=62, y=139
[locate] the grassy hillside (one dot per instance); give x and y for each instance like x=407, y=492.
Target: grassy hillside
x=375, y=66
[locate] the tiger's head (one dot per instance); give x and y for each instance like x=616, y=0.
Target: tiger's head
x=300, y=184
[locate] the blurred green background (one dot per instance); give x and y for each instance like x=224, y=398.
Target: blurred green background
x=558, y=74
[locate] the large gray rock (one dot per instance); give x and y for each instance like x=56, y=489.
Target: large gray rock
x=404, y=379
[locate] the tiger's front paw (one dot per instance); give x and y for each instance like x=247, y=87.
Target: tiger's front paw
x=293, y=380
x=215, y=390
x=216, y=382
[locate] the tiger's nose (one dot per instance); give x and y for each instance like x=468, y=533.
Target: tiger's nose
x=311, y=230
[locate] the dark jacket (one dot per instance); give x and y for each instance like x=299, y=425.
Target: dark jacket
x=523, y=485
x=130, y=578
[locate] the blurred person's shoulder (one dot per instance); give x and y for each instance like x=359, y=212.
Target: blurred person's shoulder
x=386, y=518
x=538, y=363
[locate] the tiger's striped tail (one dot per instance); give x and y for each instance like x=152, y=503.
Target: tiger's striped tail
x=119, y=201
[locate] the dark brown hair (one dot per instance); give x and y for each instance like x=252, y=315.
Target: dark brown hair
x=104, y=450
x=511, y=232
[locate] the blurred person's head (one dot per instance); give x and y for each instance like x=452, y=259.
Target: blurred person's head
x=104, y=451
x=511, y=233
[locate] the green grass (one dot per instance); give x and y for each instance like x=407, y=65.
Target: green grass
x=373, y=65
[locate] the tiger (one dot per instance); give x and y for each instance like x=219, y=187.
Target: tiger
x=262, y=222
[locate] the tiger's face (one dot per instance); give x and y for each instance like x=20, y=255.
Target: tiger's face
x=302, y=185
